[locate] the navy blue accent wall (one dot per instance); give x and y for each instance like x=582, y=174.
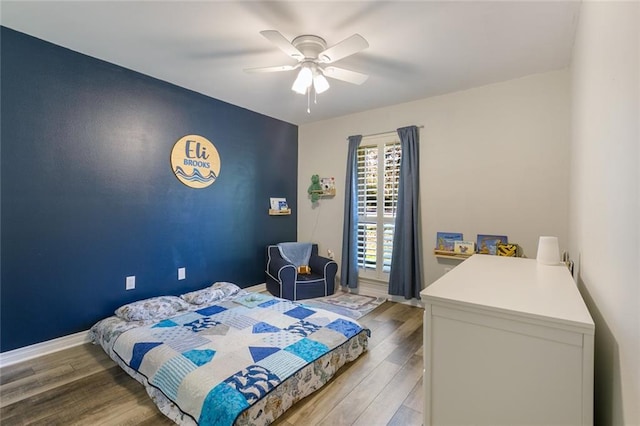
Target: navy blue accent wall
x=88, y=196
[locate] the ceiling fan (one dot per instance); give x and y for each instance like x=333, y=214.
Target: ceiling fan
x=314, y=60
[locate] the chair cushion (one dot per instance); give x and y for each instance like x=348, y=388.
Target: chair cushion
x=310, y=277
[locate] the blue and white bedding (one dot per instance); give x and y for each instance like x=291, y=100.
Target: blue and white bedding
x=244, y=360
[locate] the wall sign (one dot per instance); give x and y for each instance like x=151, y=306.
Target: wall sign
x=195, y=161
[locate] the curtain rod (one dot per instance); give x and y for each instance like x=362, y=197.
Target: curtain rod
x=387, y=133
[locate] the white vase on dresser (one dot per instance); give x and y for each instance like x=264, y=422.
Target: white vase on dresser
x=507, y=341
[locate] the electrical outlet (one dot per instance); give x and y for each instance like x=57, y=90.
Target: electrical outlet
x=130, y=282
x=182, y=273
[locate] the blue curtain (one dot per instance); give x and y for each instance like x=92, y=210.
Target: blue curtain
x=405, y=278
x=349, y=265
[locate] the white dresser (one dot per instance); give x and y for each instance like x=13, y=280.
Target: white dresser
x=507, y=342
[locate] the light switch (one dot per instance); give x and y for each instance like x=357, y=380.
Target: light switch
x=182, y=273
x=131, y=282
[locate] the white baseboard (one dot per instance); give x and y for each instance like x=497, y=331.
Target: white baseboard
x=373, y=289
x=43, y=348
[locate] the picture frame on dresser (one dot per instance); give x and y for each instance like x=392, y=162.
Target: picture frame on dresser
x=488, y=244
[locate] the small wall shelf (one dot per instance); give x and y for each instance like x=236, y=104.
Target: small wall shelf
x=445, y=254
x=325, y=193
x=279, y=212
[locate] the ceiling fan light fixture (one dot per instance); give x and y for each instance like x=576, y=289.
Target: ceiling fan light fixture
x=320, y=83
x=303, y=81
x=312, y=54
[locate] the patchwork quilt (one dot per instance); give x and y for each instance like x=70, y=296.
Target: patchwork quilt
x=216, y=362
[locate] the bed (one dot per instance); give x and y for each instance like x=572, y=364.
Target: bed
x=223, y=356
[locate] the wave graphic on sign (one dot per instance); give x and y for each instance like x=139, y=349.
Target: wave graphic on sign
x=196, y=176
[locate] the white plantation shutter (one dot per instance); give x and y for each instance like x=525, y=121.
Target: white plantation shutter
x=368, y=182
x=392, y=155
x=367, y=246
x=387, y=247
x=378, y=180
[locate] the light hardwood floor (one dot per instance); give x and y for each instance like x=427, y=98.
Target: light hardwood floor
x=82, y=386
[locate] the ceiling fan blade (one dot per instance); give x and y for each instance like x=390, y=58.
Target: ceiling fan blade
x=346, y=47
x=345, y=75
x=272, y=69
x=282, y=43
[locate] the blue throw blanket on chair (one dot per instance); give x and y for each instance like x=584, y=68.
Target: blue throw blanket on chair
x=296, y=253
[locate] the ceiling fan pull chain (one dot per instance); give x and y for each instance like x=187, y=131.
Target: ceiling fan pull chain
x=309, y=101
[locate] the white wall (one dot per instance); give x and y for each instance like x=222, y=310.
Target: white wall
x=493, y=160
x=605, y=198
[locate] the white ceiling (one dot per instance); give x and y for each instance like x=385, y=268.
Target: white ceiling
x=416, y=49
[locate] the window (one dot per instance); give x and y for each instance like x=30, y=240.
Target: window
x=378, y=179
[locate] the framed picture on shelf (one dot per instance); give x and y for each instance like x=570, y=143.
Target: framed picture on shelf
x=445, y=240
x=278, y=203
x=488, y=244
x=328, y=184
x=464, y=247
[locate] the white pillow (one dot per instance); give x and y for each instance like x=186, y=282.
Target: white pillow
x=214, y=293
x=155, y=308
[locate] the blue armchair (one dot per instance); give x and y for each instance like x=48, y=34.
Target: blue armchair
x=284, y=281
